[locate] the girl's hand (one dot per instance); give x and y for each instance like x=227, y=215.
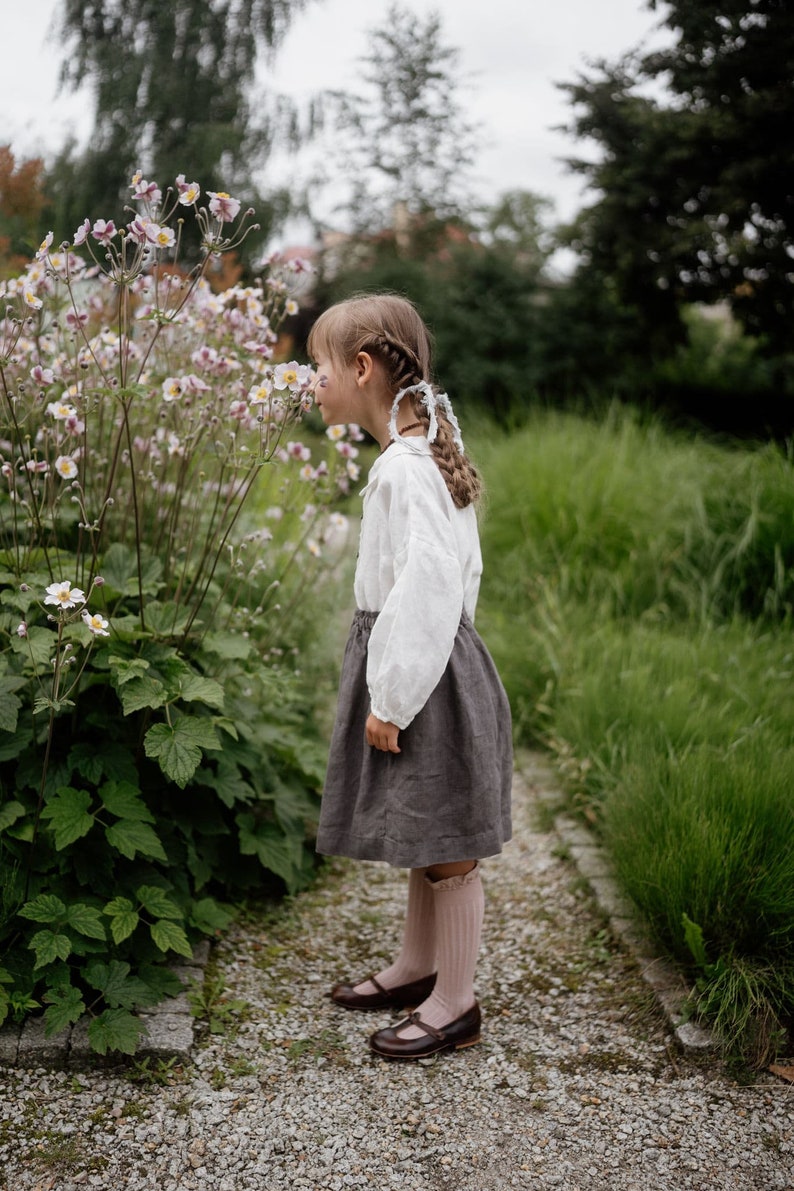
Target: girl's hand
x=382, y=735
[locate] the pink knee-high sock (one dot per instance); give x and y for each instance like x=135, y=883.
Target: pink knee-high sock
x=417, y=956
x=459, y=905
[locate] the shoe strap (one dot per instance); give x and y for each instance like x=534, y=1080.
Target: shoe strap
x=413, y=1019
x=383, y=991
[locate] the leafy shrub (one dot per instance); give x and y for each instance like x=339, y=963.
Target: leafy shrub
x=155, y=752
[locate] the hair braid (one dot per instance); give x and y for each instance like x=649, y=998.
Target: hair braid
x=460, y=475
x=402, y=365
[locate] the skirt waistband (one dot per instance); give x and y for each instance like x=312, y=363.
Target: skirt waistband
x=365, y=620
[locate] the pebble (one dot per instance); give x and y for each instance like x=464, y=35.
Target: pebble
x=575, y=1085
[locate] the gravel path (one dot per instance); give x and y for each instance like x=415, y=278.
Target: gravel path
x=576, y=1083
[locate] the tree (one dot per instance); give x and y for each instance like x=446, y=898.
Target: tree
x=403, y=141
x=695, y=193
x=517, y=223
x=21, y=202
x=171, y=82
x=482, y=298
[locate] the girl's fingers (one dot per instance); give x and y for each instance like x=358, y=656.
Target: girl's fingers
x=381, y=735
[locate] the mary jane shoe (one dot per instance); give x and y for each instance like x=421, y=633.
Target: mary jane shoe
x=463, y=1031
x=401, y=997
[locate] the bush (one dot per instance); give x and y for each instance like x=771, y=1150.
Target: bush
x=155, y=752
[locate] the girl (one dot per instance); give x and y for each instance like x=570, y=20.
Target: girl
x=420, y=764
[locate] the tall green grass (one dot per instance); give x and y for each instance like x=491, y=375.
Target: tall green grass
x=638, y=598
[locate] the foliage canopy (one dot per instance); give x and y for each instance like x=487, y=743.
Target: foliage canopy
x=171, y=82
x=695, y=198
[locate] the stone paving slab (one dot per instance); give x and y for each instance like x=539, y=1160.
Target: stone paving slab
x=168, y=1033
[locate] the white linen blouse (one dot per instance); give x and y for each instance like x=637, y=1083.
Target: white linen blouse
x=419, y=566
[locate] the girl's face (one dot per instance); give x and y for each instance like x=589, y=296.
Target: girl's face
x=345, y=392
x=335, y=391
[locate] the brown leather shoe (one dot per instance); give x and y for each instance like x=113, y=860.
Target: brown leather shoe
x=401, y=997
x=463, y=1031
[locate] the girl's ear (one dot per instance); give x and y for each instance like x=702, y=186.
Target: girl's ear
x=365, y=368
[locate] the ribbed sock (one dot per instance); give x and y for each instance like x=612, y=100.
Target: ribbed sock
x=417, y=957
x=459, y=906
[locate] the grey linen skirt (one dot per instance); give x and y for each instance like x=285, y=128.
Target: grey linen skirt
x=446, y=795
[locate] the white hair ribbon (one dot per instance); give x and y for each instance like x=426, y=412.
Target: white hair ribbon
x=431, y=401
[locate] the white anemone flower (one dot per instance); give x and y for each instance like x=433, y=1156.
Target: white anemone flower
x=66, y=467
x=63, y=595
x=96, y=623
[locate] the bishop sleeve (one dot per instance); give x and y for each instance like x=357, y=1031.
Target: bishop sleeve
x=413, y=636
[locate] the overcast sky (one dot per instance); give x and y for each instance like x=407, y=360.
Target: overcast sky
x=511, y=52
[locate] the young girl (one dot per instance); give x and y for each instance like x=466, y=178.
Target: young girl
x=420, y=764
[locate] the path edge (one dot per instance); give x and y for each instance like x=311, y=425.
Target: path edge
x=592, y=861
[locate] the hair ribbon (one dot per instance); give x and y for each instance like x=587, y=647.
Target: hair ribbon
x=431, y=402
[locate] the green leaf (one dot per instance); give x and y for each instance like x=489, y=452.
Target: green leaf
x=44, y=908
x=96, y=760
x=49, y=946
x=199, y=866
x=227, y=645
x=123, y=918
x=168, y=936
x=124, y=800
x=205, y=690
x=125, y=669
x=85, y=920
x=210, y=916
x=228, y=783
x=120, y=990
x=115, y=1029
x=166, y=620
x=157, y=902
x=10, y=812
x=273, y=850
x=226, y=725
x=178, y=748
x=129, y=836
x=120, y=571
x=66, y=1005
x=68, y=813
x=160, y=981
x=44, y=703
x=39, y=642
x=142, y=692
x=9, y=710
x=87, y=761
x=128, y=628
x=11, y=746
x=693, y=937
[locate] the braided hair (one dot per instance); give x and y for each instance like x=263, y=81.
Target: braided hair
x=391, y=330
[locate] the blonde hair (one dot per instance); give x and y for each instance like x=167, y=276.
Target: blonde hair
x=391, y=330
